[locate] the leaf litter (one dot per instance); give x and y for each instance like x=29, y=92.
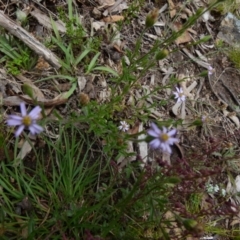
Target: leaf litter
x=187, y=110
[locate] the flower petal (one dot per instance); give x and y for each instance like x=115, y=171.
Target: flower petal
x=35, y=129
x=14, y=122
x=23, y=109
x=155, y=143
x=152, y=133
x=183, y=98
x=34, y=114
x=155, y=128
x=178, y=89
x=176, y=94
x=15, y=117
x=166, y=148
x=171, y=141
x=19, y=130
x=164, y=130
x=172, y=132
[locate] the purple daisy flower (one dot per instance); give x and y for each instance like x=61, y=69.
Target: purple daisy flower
x=26, y=120
x=162, y=138
x=179, y=95
x=210, y=70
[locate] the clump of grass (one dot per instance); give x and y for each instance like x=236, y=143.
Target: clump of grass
x=234, y=56
x=227, y=6
x=18, y=56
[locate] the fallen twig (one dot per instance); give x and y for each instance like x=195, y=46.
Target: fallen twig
x=198, y=61
x=28, y=39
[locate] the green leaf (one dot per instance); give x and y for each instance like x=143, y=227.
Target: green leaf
x=107, y=69
x=93, y=62
x=71, y=79
x=55, y=29
x=71, y=90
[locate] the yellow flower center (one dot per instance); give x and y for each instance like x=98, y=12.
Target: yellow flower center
x=164, y=137
x=27, y=121
x=181, y=94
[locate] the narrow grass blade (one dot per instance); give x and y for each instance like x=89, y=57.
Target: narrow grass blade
x=107, y=69
x=71, y=79
x=71, y=90
x=81, y=56
x=93, y=63
x=56, y=32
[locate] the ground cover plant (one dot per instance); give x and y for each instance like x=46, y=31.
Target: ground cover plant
x=118, y=120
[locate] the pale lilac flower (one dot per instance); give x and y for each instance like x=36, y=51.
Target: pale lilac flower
x=204, y=118
x=212, y=188
x=162, y=138
x=26, y=120
x=210, y=70
x=124, y=126
x=179, y=95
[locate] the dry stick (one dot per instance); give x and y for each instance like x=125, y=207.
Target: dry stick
x=28, y=39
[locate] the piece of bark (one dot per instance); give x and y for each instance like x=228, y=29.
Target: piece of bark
x=28, y=39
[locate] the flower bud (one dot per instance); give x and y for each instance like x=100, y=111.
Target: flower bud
x=162, y=54
x=152, y=17
x=27, y=89
x=190, y=224
x=83, y=99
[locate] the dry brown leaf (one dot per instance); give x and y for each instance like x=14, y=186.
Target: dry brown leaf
x=118, y=7
x=81, y=83
x=62, y=87
x=105, y=3
x=232, y=116
x=205, y=204
x=25, y=149
x=98, y=25
x=169, y=216
x=113, y=18
x=135, y=129
x=172, y=8
x=185, y=37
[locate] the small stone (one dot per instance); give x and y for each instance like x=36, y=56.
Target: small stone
x=230, y=30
